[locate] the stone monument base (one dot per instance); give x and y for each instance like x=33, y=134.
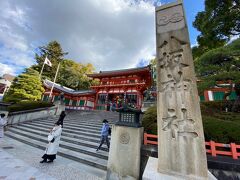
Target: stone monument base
x=124, y=155
x=151, y=173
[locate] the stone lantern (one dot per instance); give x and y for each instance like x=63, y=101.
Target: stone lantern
x=129, y=117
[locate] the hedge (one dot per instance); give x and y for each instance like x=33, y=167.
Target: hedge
x=28, y=105
x=219, y=126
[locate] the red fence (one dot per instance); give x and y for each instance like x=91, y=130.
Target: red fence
x=212, y=147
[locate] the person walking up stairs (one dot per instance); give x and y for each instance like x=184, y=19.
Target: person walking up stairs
x=104, y=134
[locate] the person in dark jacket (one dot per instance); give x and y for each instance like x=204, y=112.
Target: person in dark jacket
x=61, y=118
x=104, y=134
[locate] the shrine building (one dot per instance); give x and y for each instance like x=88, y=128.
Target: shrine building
x=115, y=88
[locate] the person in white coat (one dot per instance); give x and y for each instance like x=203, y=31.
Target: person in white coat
x=3, y=122
x=53, y=143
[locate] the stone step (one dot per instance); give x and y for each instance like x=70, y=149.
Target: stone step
x=90, y=127
x=65, y=143
x=80, y=136
x=90, y=144
x=92, y=120
x=92, y=112
x=63, y=139
x=66, y=126
x=95, y=124
x=70, y=154
x=95, y=117
x=78, y=123
x=95, y=133
x=86, y=138
x=45, y=127
x=86, y=129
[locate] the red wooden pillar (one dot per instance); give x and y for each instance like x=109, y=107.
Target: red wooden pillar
x=145, y=139
x=85, y=103
x=206, y=95
x=234, y=151
x=138, y=99
x=213, y=148
x=106, y=101
x=95, y=103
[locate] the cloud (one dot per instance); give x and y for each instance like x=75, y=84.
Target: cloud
x=6, y=69
x=15, y=50
x=110, y=34
x=233, y=38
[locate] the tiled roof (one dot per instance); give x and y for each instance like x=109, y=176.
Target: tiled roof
x=120, y=72
x=67, y=90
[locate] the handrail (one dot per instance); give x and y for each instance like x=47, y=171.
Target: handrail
x=212, y=147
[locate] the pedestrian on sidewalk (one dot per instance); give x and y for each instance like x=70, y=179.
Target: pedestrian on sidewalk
x=3, y=122
x=104, y=134
x=53, y=140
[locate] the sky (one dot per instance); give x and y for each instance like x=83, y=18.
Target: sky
x=110, y=34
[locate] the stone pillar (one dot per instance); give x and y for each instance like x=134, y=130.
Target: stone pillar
x=124, y=155
x=181, y=145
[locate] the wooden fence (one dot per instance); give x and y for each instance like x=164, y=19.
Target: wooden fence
x=212, y=147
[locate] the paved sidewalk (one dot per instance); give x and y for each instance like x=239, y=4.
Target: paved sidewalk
x=15, y=169
x=19, y=161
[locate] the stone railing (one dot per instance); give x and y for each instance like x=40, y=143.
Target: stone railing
x=22, y=116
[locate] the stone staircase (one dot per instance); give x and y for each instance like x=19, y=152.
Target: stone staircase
x=80, y=135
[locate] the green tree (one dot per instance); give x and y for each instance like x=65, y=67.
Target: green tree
x=71, y=74
x=197, y=52
x=27, y=86
x=55, y=54
x=217, y=23
x=220, y=64
x=74, y=75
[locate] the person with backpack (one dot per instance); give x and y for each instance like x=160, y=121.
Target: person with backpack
x=105, y=131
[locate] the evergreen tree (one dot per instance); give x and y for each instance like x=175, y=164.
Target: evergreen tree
x=55, y=54
x=71, y=74
x=27, y=86
x=220, y=64
x=217, y=23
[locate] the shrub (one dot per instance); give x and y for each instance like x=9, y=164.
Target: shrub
x=221, y=131
x=218, y=125
x=216, y=106
x=28, y=105
x=149, y=121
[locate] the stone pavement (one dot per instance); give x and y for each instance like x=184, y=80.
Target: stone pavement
x=12, y=168
x=21, y=162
